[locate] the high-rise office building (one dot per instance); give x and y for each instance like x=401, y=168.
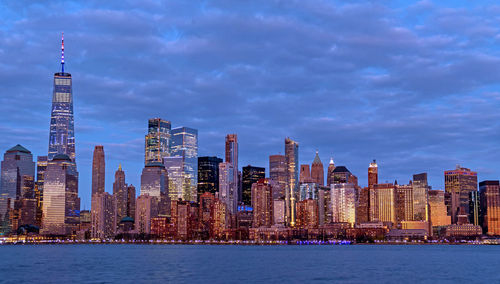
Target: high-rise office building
x=98, y=170
x=490, y=206
x=154, y=180
x=372, y=174
x=278, y=174
x=342, y=175
x=292, y=170
x=61, y=205
x=103, y=214
x=185, y=144
x=232, y=157
x=317, y=171
x=404, y=203
x=250, y=176
x=176, y=177
x=228, y=192
x=131, y=201
x=208, y=174
x=146, y=209
x=307, y=214
x=124, y=196
x=474, y=208
x=262, y=203
x=420, y=197
x=437, y=207
x=17, y=181
x=343, y=203
x=385, y=203
x=41, y=167
x=157, y=141
x=458, y=184
x=305, y=174
x=363, y=205
x=62, y=126
x=331, y=168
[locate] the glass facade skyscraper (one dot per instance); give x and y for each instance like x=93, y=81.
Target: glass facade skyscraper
x=157, y=141
x=208, y=174
x=250, y=176
x=292, y=169
x=185, y=144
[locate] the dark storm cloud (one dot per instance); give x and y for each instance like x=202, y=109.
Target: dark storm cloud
x=414, y=86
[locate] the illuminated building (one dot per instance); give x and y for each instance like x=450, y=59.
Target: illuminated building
x=207, y=201
x=372, y=174
x=160, y=227
x=385, y=203
x=103, y=211
x=437, y=208
x=232, y=158
x=307, y=214
x=208, y=174
x=490, y=206
x=41, y=167
x=17, y=182
x=277, y=173
x=154, y=180
x=98, y=170
x=146, y=209
x=279, y=212
x=185, y=145
x=458, y=184
x=219, y=219
x=250, y=176
x=157, y=141
x=305, y=174
x=308, y=191
x=262, y=203
x=343, y=203
x=124, y=196
x=342, y=175
x=404, y=203
x=62, y=128
x=363, y=207
x=228, y=192
x=324, y=208
x=61, y=205
x=474, y=207
x=420, y=197
x=176, y=176
x=131, y=201
x=184, y=219
x=331, y=168
x=317, y=171
x=292, y=172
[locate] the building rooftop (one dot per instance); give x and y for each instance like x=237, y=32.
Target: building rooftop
x=341, y=169
x=317, y=160
x=19, y=148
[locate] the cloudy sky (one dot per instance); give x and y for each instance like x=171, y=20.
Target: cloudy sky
x=412, y=84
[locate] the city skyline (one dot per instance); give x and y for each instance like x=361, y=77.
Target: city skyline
x=402, y=148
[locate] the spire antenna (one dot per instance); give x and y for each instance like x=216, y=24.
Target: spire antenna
x=62, y=53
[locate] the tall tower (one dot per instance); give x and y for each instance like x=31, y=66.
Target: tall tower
x=458, y=184
x=98, y=170
x=317, y=171
x=331, y=168
x=292, y=168
x=277, y=174
x=232, y=157
x=157, y=141
x=185, y=144
x=372, y=174
x=62, y=128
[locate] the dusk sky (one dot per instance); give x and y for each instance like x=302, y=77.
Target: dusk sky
x=412, y=84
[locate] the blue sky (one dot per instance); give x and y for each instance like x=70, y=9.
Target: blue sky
x=413, y=84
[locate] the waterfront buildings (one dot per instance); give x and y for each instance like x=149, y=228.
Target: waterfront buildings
x=372, y=174
x=157, y=141
x=343, y=203
x=176, y=177
x=146, y=209
x=185, y=145
x=437, y=208
x=250, y=175
x=385, y=203
x=227, y=188
x=208, y=174
x=420, y=197
x=124, y=195
x=307, y=214
x=458, y=184
x=98, y=170
x=262, y=204
x=404, y=202
x=490, y=206
x=278, y=174
x=154, y=180
x=232, y=158
x=61, y=204
x=103, y=215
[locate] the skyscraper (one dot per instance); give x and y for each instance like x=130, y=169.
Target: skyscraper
x=62, y=128
x=61, y=205
x=157, y=141
x=404, y=203
x=490, y=206
x=98, y=170
x=232, y=157
x=420, y=197
x=331, y=168
x=154, y=180
x=292, y=170
x=185, y=144
x=278, y=174
x=227, y=188
x=305, y=174
x=251, y=175
x=17, y=181
x=317, y=171
x=262, y=203
x=41, y=167
x=103, y=214
x=458, y=184
x=208, y=174
x=438, y=213
x=124, y=196
x=343, y=203
x=176, y=176
x=385, y=203
x=372, y=174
